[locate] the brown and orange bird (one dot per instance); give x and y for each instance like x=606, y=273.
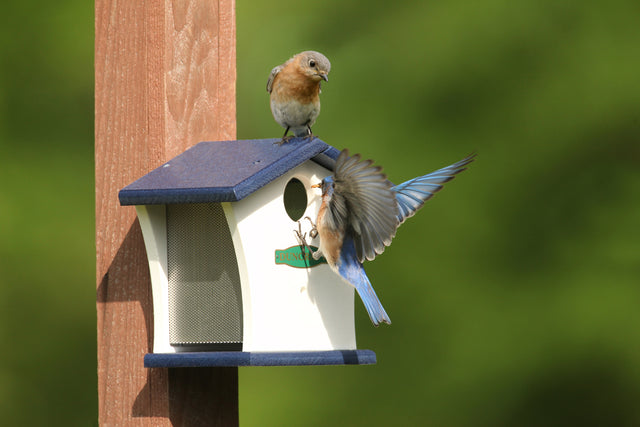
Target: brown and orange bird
x=294, y=89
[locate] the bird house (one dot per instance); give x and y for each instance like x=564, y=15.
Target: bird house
x=229, y=277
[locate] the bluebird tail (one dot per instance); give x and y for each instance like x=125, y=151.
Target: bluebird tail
x=371, y=302
x=352, y=271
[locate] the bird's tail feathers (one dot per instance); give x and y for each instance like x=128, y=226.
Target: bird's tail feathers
x=371, y=302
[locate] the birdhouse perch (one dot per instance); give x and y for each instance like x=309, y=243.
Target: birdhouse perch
x=231, y=285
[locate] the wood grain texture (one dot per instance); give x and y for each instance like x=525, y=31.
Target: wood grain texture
x=164, y=81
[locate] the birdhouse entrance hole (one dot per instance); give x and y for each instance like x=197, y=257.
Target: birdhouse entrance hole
x=295, y=199
x=205, y=297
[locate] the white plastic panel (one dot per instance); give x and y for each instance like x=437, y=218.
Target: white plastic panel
x=287, y=308
x=153, y=223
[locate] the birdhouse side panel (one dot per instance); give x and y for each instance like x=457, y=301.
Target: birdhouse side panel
x=153, y=222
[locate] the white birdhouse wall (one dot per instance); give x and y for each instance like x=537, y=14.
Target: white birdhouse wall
x=287, y=308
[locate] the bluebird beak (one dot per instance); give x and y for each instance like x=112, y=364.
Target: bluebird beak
x=316, y=185
x=324, y=76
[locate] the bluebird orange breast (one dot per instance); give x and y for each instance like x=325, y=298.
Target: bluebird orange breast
x=292, y=83
x=330, y=239
x=331, y=244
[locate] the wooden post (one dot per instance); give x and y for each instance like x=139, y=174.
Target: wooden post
x=164, y=80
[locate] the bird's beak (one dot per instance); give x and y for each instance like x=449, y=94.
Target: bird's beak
x=316, y=185
x=324, y=76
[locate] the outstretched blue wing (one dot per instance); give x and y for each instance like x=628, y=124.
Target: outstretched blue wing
x=412, y=194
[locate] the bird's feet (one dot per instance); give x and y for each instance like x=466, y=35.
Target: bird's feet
x=310, y=134
x=285, y=139
x=288, y=138
x=314, y=230
x=302, y=238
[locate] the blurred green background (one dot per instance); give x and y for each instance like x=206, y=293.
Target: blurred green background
x=514, y=293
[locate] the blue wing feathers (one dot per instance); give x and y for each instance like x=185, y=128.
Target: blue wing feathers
x=412, y=194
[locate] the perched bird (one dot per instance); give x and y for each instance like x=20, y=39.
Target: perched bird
x=360, y=213
x=294, y=89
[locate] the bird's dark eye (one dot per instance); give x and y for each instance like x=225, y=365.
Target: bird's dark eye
x=312, y=63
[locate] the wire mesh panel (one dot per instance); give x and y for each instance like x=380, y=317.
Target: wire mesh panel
x=205, y=299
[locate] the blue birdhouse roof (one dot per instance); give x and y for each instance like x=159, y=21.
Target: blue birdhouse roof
x=224, y=171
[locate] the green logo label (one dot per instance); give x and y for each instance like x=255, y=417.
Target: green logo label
x=298, y=256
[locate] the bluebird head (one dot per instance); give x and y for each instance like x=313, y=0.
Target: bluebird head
x=327, y=185
x=315, y=65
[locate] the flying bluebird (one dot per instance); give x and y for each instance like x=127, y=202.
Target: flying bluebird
x=360, y=213
x=294, y=89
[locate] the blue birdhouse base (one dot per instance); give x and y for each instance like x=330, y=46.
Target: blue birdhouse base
x=247, y=358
